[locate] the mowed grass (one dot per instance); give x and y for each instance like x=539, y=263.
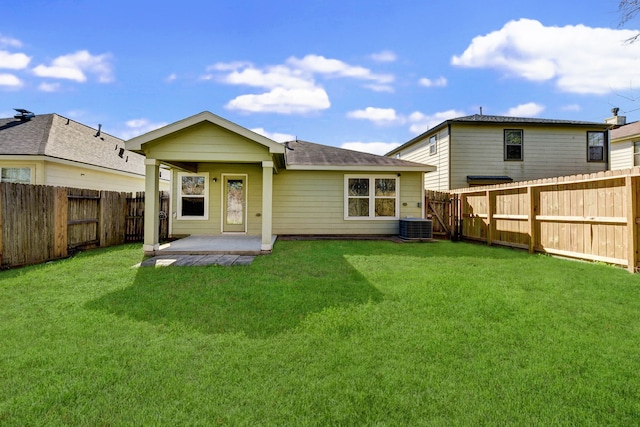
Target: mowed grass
x=322, y=333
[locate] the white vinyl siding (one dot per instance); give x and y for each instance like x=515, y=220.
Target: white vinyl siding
x=621, y=155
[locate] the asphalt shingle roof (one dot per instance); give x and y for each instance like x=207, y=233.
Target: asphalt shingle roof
x=303, y=153
x=625, y=131
x=62, y=138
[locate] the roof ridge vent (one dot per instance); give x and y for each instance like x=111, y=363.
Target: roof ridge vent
x=23, y=115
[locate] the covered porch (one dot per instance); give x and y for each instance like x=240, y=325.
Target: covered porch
x=222, y=186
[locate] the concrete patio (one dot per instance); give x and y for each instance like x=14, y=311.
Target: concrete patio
x=228, y=244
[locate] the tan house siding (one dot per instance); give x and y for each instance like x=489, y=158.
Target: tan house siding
x=36, y=166
x=419, y=152
x=63, y=175
x=547, y=152
x=312, y=202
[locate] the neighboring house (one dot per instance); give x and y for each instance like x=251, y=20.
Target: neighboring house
x=625, y=146
x=228, y=179
x=482, y=150
x=53, y=150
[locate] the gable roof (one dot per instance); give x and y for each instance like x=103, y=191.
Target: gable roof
x=58, y=137
x=501, y=120
x=303, y=155
x=135, y=144
x=625, y=131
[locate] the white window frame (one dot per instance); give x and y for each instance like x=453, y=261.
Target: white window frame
x=18, y=167
x=372, y=197
x=433, y=144
x=205, y=196
x=636, y=153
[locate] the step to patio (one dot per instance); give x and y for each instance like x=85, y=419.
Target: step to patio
x=195, y=260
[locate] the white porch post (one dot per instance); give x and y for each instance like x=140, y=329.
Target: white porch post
x=151, y=205
x=267, y=205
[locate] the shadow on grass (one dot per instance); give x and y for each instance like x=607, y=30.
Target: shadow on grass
x=260, y=300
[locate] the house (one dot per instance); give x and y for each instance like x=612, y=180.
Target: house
x=483, y=150
x=230, y=180
x=50, y=149
x=625, y=145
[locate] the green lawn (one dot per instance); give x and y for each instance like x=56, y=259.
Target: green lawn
x=322, y=333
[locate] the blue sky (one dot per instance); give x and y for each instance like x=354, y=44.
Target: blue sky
x=365, y=75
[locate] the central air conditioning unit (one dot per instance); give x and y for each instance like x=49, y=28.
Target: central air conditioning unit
x=416, y=228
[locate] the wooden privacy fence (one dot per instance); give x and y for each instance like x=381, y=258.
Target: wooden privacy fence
x=437, y=206
x=41, y=223
x=592, y=217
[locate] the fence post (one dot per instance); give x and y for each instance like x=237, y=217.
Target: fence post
x=632, y=227
x=60, y=226
x=490, y=212
x=531, y=193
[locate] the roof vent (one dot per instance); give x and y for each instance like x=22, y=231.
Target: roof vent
x=23, y=115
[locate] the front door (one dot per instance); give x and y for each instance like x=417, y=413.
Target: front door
x=234, y=206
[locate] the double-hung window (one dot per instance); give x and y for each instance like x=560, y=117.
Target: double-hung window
x=16, y=175
x=193, y=191
x=371, y=197
x=433, y=145
x=595, y=146
x=513, y=146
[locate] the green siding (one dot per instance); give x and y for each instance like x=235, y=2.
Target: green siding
x=312, y=202
x=206, y=142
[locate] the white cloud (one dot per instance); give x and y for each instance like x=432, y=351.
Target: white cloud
x=137, y=127
x=384, y=56
x=13, y=61
x=281, y=100
x=579, y=59
x=270, y=78
x=9, y=80
x=380, y=148
x=530, y=109
x=334, y=67
x=75, y=66
x=278, y=137
x=571, y=107
x=379, y=116
x=49, y=87
x=9, y=41
x=171, y=77
x=439, y=82
x=421, y=123
x=291, y=87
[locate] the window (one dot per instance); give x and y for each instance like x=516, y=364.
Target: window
x=373, y=197
x=595, y=146
x=193, y=196
x=636, y=153
x=16, y=175
x=513, y=144
x=433, y=146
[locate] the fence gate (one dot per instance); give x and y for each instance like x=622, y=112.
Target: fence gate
x=438, y=209
x=135, y=217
